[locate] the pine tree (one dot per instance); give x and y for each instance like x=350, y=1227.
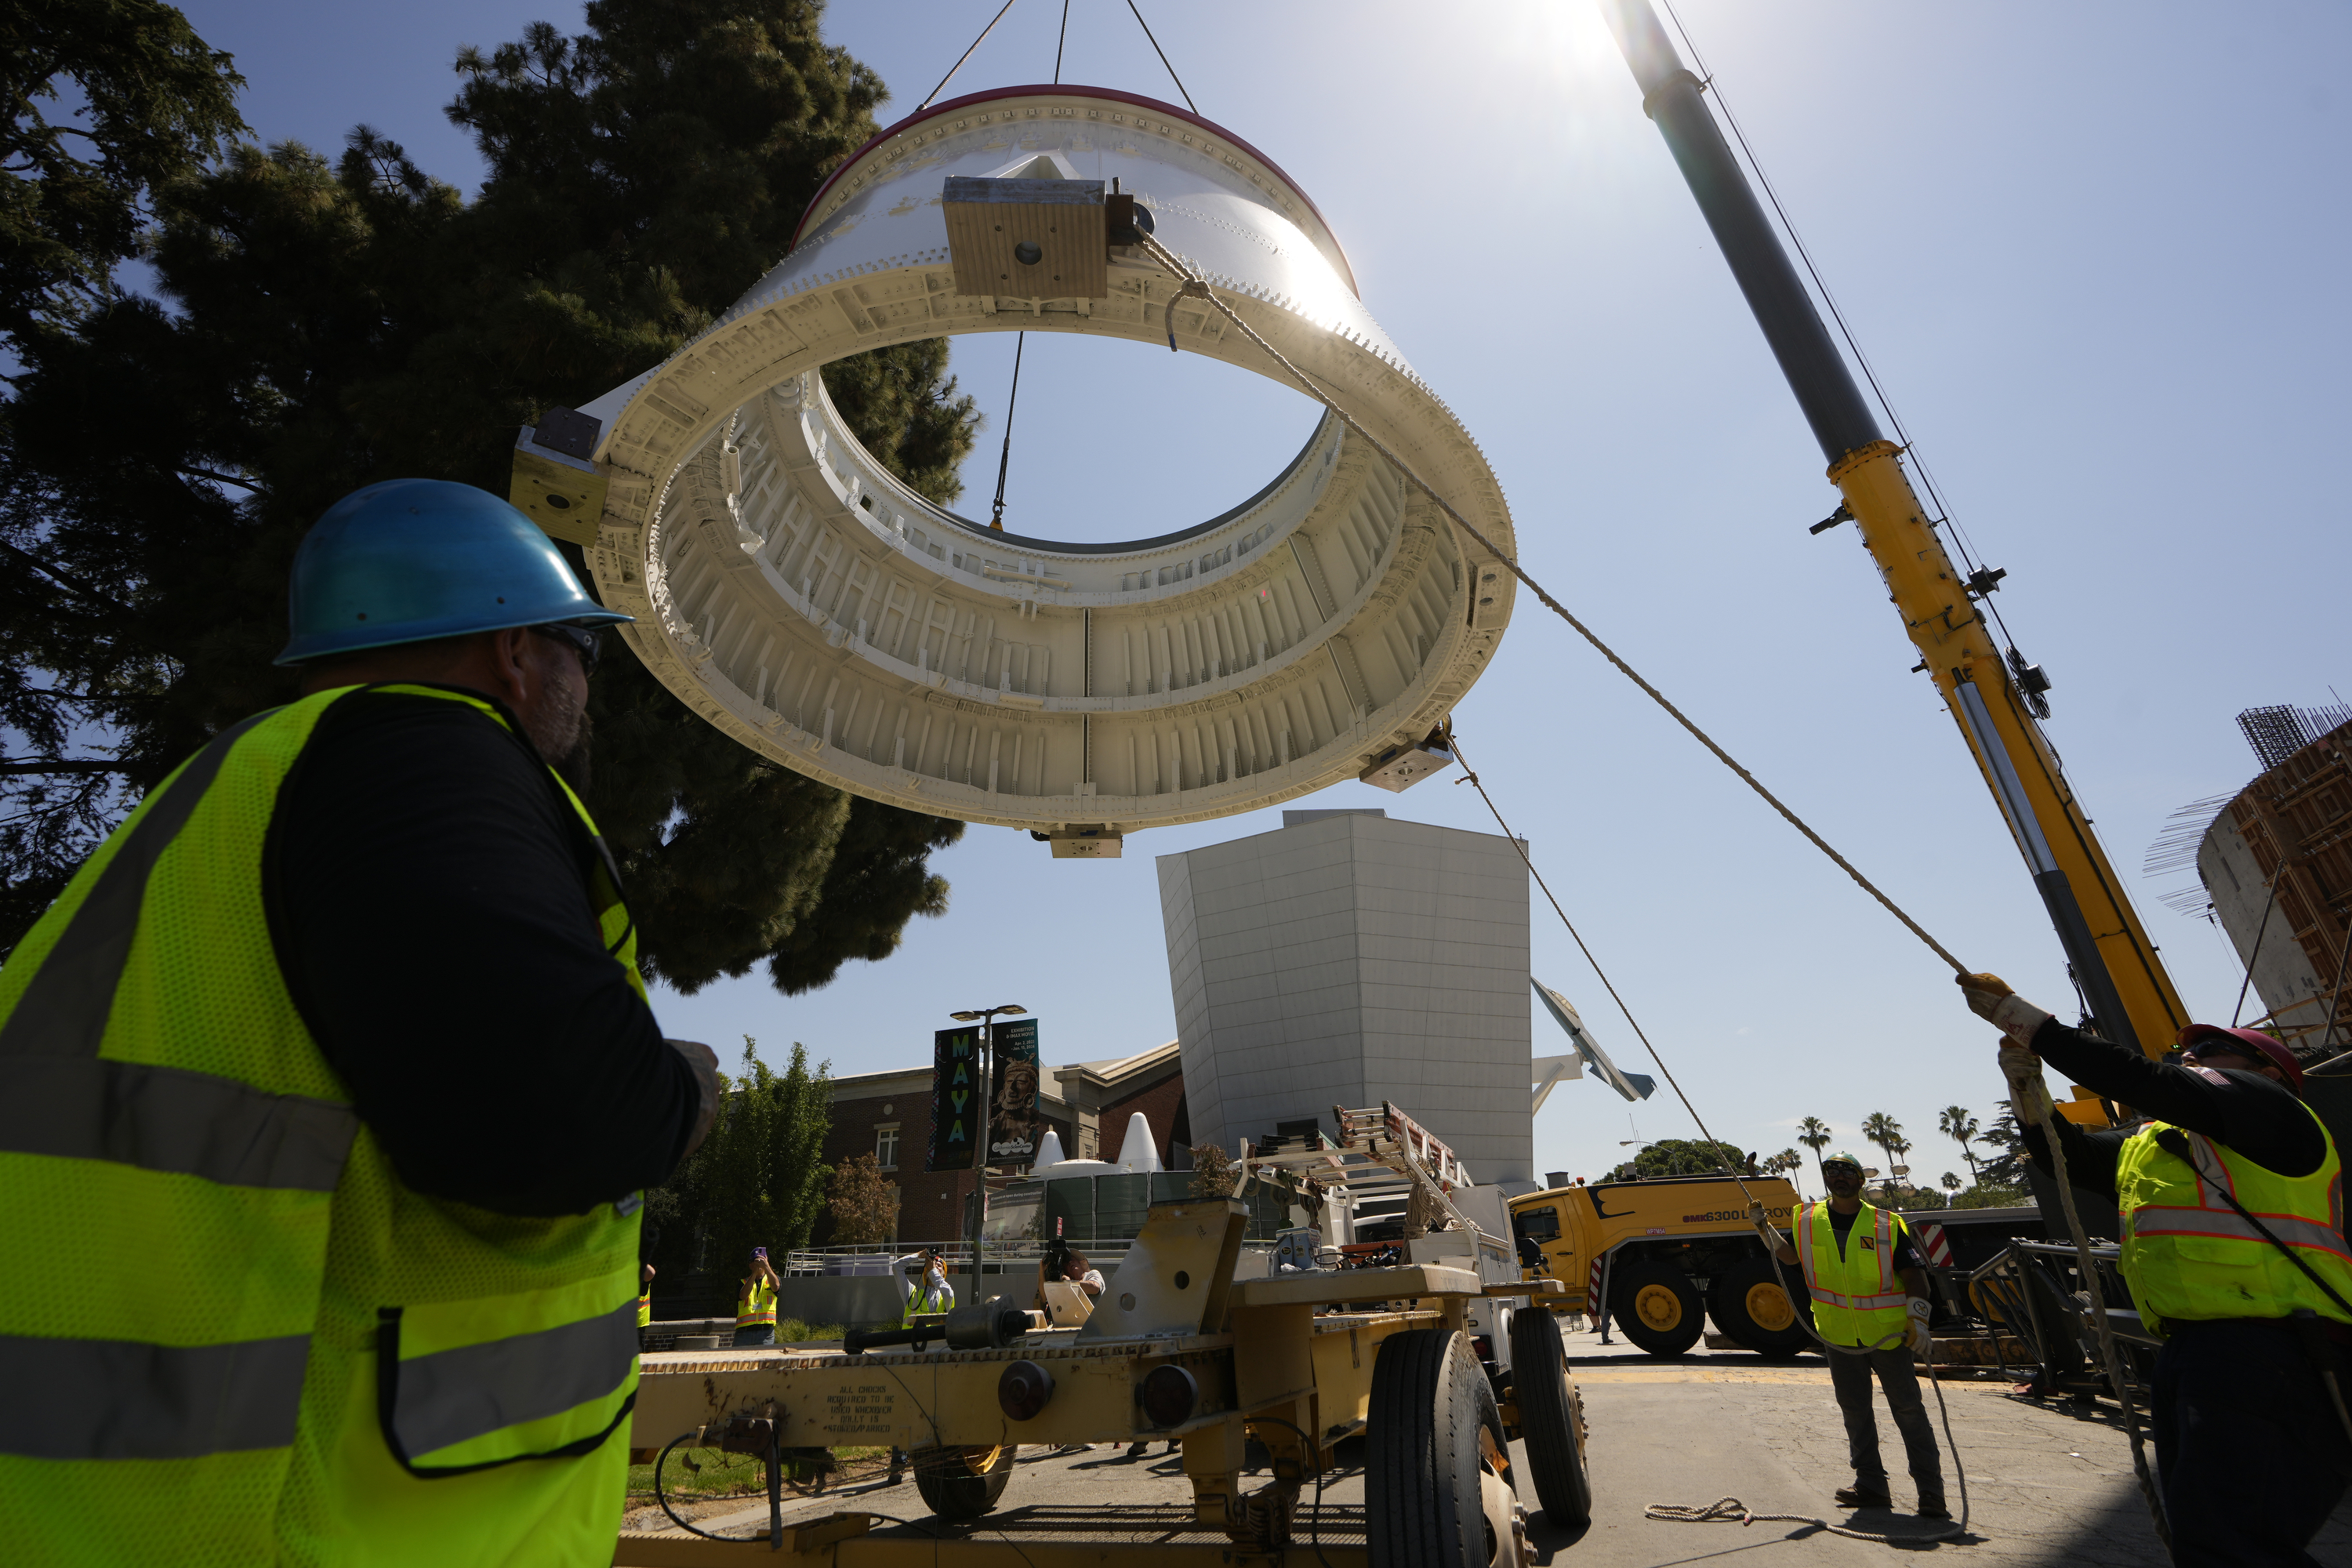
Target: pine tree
x=2006, y=1169
x=336, y=323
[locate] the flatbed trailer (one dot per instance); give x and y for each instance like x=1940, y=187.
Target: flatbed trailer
x=1177, y=1349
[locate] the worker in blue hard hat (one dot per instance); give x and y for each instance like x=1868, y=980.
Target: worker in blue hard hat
x=333, y=1092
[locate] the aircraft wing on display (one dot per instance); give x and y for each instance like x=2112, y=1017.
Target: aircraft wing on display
x=1632, y=1085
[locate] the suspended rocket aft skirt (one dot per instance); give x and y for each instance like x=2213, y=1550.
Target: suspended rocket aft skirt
x=799, y=598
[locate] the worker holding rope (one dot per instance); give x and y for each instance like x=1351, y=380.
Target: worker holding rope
x=2231, y=1198
x=1869, y=1291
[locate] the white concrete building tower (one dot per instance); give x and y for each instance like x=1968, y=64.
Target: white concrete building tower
x=1347, y=959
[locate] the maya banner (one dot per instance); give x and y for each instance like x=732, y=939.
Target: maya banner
x=1014, y=1125
x=955, y=1098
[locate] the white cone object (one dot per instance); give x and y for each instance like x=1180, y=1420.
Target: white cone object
x=1049, y=1151
x=1136, y=1153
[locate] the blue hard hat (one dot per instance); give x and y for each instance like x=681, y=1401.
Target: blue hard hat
x=411, y=560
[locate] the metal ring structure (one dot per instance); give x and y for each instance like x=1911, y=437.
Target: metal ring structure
x=801, y=598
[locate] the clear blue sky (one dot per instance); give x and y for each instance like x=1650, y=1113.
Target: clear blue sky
x=2096, y=252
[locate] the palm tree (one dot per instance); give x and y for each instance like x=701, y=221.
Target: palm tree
x=1952, y=1182
x=1814, y=1134
x=1886, y=1132
x=1954, y=1123
x=1900, y=1169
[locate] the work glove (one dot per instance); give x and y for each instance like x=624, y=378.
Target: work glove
x=1921, y=1342
x=1756, y=1216
x=1990, y=998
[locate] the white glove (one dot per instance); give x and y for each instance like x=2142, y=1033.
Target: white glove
x=1989, y=998
x=2017, y=1064
x=1922, y=1343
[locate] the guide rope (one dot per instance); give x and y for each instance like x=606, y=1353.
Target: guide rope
x=2030, y=1098
x=1941, y=1532
x=1196, y=287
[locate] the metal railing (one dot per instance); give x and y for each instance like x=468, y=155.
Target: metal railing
x=2033, y=1289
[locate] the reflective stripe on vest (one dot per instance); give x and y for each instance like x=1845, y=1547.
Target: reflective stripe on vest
x=2188, y=1255
x=116, y=1399
x=450, y=1411
x=90, y=1399
x=157, y=1086
x=1851, y=1316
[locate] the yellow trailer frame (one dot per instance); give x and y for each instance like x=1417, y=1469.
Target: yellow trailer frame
x=1286, y=1361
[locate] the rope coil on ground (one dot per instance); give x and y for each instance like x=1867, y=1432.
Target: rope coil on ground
x=1731, y=1511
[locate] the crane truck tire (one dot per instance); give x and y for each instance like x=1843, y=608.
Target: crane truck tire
x=1750, y=1302
x=1551, y=1420
x=1659, y=1309
x=1423, y=1462
x=960, y=1484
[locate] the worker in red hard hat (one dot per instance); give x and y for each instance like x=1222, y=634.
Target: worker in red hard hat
x=2232, y=1200
x=333, y=1092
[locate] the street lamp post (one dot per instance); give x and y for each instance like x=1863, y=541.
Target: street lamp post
x=986, y=1018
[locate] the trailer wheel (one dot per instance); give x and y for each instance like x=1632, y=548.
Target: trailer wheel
x=960, y=1484
x=1659, y=1309
x=1423, y=1459
x=1551, y=1420
x=1750, y=1302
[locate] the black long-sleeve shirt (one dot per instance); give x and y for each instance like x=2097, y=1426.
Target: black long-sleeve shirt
x=2250, y=1114
x=428, y=895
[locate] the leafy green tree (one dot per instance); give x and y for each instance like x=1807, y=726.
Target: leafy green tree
x=861, y=1203
x=1989, y=1195
x=1214, y=1174
x=1687, y=1157
x=333, y=323
x=764, y=1179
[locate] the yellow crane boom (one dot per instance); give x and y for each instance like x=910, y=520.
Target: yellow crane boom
x=2131, y=997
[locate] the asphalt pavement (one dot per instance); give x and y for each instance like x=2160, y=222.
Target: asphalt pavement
x=2049, y=1481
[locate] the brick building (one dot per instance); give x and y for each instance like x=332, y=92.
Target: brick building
x=888, y=1115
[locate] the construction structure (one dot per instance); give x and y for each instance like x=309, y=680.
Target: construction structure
x=798, y=595
x=1326, y=959
x=2274, y=864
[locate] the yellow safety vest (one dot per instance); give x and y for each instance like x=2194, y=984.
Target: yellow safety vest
x=644, y=1310
x=2188, y=1255
x=923, y=1299
x=1857, y=1299
x=758, y=1308
x=231, y=1334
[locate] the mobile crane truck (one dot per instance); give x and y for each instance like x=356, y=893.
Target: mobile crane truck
x=1659, y=1257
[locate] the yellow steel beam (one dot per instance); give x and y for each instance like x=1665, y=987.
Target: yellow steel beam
x=2046, y=818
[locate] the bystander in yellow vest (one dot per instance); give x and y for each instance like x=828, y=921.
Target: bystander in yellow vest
x=315, y=1364
x=1857, y=1299
x=2188, y=1255
x=757, y=1307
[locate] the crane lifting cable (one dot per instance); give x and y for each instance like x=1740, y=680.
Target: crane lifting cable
x=2030, y=1098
